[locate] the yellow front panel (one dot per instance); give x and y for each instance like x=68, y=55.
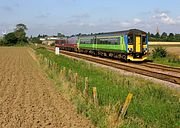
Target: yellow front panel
x=130, y=46
x=144, y=46
x=138, y=44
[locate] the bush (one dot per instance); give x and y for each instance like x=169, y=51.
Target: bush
x=159, y=52
x=2, y=41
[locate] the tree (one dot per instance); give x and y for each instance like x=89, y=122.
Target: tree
x=171, y=35
x=152, y=35
x=164, y=35
x=16, y=37
x=2, y=41
x=21, y=27
x=10, y=39
x=60, y=35
x=157, y=35
x=20, y=33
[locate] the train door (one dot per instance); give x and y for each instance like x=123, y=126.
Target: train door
x=138, y=44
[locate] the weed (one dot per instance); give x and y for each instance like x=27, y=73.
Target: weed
x=159, y=52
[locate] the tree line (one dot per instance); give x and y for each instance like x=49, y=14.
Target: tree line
x=164, y=37
x=18, y=37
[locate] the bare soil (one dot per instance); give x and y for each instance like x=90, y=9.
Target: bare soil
x=28, y=99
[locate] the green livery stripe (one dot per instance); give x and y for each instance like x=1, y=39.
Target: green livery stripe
x=86, y=46
x=102, y=47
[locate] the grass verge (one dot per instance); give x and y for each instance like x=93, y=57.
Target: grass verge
x=160, y=55
x=152, y=105
x=170, y=60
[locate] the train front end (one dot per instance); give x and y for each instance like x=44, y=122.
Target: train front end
x=137, y=45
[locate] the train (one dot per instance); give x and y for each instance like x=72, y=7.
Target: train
x=128, y=45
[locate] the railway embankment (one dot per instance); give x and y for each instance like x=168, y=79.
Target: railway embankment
x=152, y=105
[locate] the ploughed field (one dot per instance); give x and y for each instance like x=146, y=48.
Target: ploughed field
x=28, y=98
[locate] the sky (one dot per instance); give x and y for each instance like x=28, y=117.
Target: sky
x=89, y=16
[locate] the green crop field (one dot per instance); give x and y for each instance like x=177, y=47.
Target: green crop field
x=153, y=105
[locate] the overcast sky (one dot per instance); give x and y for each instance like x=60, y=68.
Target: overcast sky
x=89, y=16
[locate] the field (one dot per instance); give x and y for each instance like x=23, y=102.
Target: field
x=172, y=58
x=175, y=50
x=28, y=98
x=153, y=105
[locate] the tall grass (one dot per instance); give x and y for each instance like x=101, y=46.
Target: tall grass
x=152, y=105
x=161, y=56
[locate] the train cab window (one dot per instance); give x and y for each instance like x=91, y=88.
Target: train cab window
x=130, y=39
x=144, y=40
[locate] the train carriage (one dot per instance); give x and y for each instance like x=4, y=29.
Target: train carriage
x=126, y=45
x=69, y=44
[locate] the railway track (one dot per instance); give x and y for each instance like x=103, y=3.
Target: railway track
x=161, y=67
x=131, y=68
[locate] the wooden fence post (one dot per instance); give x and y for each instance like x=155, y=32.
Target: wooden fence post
x=123, y=111
x=86, y=87
x=75, y=78
x=64, y=71
x=95, y=96
x=70, y=74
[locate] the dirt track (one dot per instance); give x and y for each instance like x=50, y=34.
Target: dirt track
x=28, y=99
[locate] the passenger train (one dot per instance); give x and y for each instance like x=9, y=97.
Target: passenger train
x=129, y=45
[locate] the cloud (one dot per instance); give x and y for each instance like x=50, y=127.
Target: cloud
x=136, y=21
x=164, y=18
x=178, y=19
x=131, y=23
x=84, y=23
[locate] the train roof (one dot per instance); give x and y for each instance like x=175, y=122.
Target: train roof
x=122, y=32
x=115, y=33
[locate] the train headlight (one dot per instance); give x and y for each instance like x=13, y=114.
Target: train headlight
x=145, y=49
x=130, y=49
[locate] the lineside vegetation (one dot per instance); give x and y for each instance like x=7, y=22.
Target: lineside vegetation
x=153, y=105
x=161, y=56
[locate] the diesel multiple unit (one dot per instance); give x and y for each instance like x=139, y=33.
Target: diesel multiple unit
x=126, y=45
